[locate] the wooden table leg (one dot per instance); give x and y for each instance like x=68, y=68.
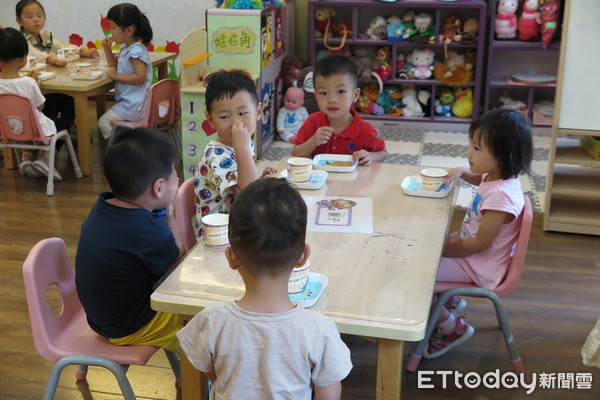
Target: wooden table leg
x=10, y=160
x=100, y=105
x=389, y=369
x=194, y=384
x=162, y=71
x=84, y=145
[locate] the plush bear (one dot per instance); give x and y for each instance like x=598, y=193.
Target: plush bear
x=425, y=30
x=396, y=31
x=367, y=101
x=468, y=33
x=377, y=29
x=366, y=62
x=450, y=30
x=323, y=17
x=412, y=107
x=422, y=61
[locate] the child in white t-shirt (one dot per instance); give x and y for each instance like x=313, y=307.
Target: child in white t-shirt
x=263, y=346
x=500, y=148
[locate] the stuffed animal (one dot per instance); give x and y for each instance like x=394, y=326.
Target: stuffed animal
x=391, y=101
x=468, y=33
x=304, y=80
x=454, y=71
x=412, y=107
x=530, y=20
x=549, y=21
x=463, y=102
x=425, y=30
x=506, y=20
x=443, y=105
x=408, y=19
x=422, y=60
x=367, y=101
x=403, y=67
x=424, y=98
x=450, y=32
x=365, y=61
x=377, y=29
x=323, y=17
x=383, y=55
x=396, y=31
x=292, y=115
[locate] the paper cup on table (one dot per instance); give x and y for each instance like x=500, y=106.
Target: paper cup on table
x=31, y=62
x=433, y=178
x=299, y=169
x=215, y=230
x=299, y=279
x=83, y=69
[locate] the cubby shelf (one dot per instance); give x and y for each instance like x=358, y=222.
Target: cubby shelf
x=360, y=12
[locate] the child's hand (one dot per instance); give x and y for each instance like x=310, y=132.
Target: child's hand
x=322, y=135
x=363, y=157
x=240, y=135
x=107, y=42
x=53, y=60
x=269, y=171
x=39, y=82
x=455, y=173
x=89, y=53
x=111, y=73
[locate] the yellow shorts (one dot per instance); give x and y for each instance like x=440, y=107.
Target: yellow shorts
x=160, y=332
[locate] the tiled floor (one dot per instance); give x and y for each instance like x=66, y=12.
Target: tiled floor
x=447, y=150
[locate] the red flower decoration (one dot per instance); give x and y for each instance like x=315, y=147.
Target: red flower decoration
x=76, y=39
x=150, y=47
x=91, y=45
x=172, y=47
x=104, y=23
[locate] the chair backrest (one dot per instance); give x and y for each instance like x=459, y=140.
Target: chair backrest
x=185, y=209
x=512, y=280
x=18, y=121
x=48, y=264
x=164, y=103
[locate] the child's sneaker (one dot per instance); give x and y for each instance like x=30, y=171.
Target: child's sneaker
x=440, y=343
x=455, y=305
x=41, y=167
x=26, y=167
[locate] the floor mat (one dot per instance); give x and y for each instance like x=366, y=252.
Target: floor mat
x=446, y=150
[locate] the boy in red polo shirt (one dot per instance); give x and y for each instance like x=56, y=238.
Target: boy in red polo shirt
x=337, y=128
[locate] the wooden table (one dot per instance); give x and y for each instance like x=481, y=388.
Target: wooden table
x=380, y=284
x=81, y=90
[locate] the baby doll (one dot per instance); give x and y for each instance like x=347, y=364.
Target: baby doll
x=292, y=115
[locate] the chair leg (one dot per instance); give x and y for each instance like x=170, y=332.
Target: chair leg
x=51, y=159
x=175, y=365
x=112, y=366
x=73, y=156
x=81, y=373
x=515, y=360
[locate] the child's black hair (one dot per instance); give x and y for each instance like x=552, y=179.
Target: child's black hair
x=125, y=15
x=267, y=226
x=226, y=83
x=24, y=3
x=507, y=135
x=135, y=159
x=12, y=45
x=335, y=64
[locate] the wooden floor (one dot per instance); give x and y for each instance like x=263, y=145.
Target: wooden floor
x=551, y=314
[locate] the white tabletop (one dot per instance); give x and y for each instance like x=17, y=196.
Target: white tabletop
x=380, y=284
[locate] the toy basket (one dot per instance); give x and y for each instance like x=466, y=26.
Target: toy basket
x=543, y=118
x=591, y=144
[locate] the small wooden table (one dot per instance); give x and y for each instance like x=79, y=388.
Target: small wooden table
x=80, y=90
x=380, y=284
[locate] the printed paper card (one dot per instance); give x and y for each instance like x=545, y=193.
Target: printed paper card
x=339, y=214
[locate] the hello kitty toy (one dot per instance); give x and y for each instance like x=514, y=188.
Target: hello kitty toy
x=506, y=19
x=530, y=20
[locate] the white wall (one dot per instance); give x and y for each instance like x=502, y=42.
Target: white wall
x=170, y=19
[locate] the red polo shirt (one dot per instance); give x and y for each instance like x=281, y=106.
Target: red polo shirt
x=358, y=135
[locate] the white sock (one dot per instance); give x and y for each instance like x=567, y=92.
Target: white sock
x=448, y=325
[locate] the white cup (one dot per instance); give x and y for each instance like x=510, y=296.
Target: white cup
x=215, y=230
x=433, y=178
x=299, y=169
x=83, y=69
x=299, y=279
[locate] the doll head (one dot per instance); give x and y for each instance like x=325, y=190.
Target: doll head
x=293, y=99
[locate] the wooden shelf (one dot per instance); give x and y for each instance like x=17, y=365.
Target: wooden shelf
x=578, y=182
x=517, y=45
x=569, y=152
x=576, y=215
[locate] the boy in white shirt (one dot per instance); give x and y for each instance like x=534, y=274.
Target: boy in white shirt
x=263, y=346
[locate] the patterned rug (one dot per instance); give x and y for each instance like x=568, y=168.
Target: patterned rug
x=446, y=150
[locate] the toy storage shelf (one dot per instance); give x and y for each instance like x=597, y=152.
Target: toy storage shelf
x=511, y=56
x=360, y=12
x=573, y=189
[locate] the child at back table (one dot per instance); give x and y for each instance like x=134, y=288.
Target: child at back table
x=338, y=128
x=262, y=346
x=132, y=70
x=500, y=148
x=227, y=163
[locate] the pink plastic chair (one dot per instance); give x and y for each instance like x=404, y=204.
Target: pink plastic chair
x=20, y=129
x=508, y=286
x=163, y=110
x=67, y=339
x=185, y=209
